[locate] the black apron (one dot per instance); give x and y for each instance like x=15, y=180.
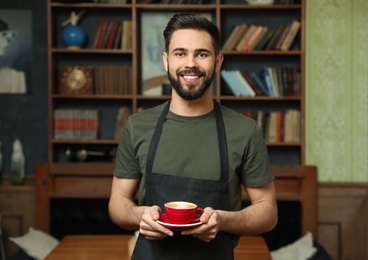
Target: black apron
x=161, y=188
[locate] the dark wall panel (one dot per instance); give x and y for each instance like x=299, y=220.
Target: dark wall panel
x=25, y=116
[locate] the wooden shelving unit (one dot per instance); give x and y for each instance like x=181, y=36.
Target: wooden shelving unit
x=225, y=13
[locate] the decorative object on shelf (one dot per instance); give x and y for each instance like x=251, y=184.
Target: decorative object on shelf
x=123, y=114
x=76, y=80
x=73, y=35
x=17, y=163
x=90, y=155
x=259, y=2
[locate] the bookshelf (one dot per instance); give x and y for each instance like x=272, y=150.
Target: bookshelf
x=225, y=13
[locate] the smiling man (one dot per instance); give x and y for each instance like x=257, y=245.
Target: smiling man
x=192, y=149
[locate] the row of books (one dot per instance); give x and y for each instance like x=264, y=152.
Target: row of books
x=113, y=35
x=76, y=124
x=244, y=38
x=113, y=79
x=271, y=81
x=278, y=126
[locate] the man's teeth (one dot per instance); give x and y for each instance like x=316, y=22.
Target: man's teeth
x=191, y=77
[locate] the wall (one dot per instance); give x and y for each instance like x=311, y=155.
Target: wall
x=336, y=89
x=25, y=116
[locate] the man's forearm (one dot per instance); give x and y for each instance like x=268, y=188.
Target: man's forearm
x=124, y=212
x=252, y=220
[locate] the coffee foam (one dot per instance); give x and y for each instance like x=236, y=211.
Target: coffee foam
x=181, y=205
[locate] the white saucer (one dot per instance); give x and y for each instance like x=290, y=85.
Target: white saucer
x=165, y=222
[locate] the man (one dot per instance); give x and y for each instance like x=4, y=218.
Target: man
x=11, y=80
x=192, y=149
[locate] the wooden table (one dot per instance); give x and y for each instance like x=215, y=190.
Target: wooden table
x=96, y=247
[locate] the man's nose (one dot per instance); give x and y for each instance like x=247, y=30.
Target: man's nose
x=191, y=62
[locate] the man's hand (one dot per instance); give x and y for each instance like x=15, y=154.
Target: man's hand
x=208, y=230
x=149, y=228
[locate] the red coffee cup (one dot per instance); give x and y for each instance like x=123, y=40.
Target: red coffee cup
x=182, y=212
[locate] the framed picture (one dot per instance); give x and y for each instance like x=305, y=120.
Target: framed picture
x=15, y=51
x=154, y=76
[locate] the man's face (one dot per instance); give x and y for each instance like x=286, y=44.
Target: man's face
x=191, y=63
x=5, y=38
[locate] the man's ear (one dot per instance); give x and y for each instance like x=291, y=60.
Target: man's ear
x=164, y=59
x=219, y=60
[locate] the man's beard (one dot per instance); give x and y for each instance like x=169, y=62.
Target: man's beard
x=192, y=93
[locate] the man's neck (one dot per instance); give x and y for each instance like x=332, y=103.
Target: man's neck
x=197, y=107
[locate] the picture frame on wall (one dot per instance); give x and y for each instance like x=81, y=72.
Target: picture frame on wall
x=16, y=46
x=154, y=77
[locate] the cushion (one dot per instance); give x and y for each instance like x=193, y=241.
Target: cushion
x=301, y=249
x=36, y=243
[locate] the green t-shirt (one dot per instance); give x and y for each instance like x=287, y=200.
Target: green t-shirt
x=189, y=147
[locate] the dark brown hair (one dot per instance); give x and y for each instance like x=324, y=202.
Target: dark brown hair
x=192, y=21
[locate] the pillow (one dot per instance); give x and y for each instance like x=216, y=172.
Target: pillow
x=299, y=250
x=36, y=243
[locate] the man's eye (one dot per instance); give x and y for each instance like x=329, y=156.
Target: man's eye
x=179, y=54
x=202, y=55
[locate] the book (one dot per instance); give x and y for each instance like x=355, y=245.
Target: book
x=257, y=80
x=106, y=35
x=272, y=128
x=101, y=36
x=279, y=78
x=273, y=80
x=279, y=126
x=126, y=41
x=230, y=83
x=226, y=44
x=244, y=38
x=282, y=37
x=266, y=77
x=265, y=39
x=118, y=37
x=260, y=119
x=239, y=83
x=285, y=88
x=112, y=35
x=292, y=125
x=290, y=36
x=252, y=84
x=258, y=38
x=252, y=38
x=236, y=37
x=248, y=89
x=271, y=44
x=98, y=33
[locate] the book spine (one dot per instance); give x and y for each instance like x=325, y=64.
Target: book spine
x=245, y=37
x=227, y=78
x=260, y=83
x=245, y=84
x=252, y=38
x=112, y=35
x=289, y=38
x=101, y=38
x=237, y=36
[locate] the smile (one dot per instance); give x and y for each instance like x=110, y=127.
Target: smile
x=190, y=77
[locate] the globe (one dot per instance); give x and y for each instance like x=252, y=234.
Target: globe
x=73, y=36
